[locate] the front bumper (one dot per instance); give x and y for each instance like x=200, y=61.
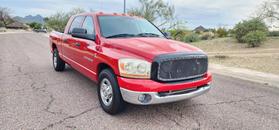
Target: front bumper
x=156, y=98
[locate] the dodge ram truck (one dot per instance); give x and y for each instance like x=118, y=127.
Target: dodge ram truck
x=130, y=60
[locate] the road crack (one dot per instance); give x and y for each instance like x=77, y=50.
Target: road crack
x=42, y=89
x=69, y=117
x=227, y=102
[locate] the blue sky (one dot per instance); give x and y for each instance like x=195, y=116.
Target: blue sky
x=209, y=13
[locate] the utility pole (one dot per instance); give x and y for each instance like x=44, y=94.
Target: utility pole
x=124, y=7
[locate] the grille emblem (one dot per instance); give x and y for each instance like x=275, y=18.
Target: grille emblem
x=197, y=62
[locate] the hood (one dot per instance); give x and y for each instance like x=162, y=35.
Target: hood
x=149, y=47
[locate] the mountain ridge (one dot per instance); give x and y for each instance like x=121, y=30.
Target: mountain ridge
x=30, y=18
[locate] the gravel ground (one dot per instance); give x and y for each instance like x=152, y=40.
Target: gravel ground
x=34, y=96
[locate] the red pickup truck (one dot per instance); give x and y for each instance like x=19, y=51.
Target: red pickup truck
x=131, y=60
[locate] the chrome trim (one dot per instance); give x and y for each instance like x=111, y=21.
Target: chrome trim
x=132, y=96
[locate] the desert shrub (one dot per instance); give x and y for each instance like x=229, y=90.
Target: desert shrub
x=231, y=33
x=1, y=24
x=2, y=29
x=191, y=37
x=207, y=36
x=35, y=25
x=178, y=34
x=273, y=34
x=221, y=32
x=255, y=38
x=243, y=28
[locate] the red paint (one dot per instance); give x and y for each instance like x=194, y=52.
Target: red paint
x=108, y=51
x=142, y=85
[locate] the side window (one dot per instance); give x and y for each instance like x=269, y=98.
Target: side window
x=89, y=25
x=76, y=23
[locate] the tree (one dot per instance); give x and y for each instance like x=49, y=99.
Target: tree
x=269, y=12
x=5, y=17
x=251, y=31
x=59, y=20
x=269, y=9
x=154, y=11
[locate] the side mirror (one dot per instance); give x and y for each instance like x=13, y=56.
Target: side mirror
x=82, y=33
x=167, y=35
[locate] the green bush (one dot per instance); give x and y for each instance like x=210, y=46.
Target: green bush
x=255, y=38
x=273, y=34
x=35, y=25
x=231, y=33
x=1, y=24
x=178, y=34
x=192, y=37
x=243, y=28
x=221, y=32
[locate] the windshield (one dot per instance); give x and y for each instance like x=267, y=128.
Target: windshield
x=122, y=26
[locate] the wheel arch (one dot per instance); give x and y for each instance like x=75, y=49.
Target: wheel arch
x=53, y=46
x=101, y=66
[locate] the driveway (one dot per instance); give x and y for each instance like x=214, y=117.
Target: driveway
x=34, y=96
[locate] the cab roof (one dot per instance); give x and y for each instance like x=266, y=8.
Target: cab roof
x=106, y=14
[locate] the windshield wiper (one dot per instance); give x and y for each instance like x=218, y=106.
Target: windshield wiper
x=121, y=35
x=148, y=35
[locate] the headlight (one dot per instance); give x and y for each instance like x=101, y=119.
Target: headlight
x=134, y=68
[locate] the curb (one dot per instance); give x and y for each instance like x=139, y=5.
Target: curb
x=246, y=74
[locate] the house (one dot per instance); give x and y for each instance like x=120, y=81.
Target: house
x=16, y=25
x=200, y=29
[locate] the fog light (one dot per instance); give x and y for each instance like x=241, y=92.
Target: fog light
x=144, y=98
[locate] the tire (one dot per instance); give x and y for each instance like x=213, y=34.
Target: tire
x=58, y=63
x=111, y=100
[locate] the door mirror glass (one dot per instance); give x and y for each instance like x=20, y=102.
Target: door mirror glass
x=82, y=33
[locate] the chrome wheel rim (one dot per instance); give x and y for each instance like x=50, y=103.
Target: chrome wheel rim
x=106, y=92
x=55, y=59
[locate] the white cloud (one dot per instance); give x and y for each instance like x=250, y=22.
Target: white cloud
x=196, y=12
x=222, y=11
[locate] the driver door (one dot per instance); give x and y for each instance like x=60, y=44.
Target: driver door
x=86, y=49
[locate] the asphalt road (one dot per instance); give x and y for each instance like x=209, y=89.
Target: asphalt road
x=34, y=96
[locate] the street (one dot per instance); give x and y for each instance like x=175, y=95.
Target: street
x=34, y=96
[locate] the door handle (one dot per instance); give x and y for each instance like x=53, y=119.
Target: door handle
x=77, y=44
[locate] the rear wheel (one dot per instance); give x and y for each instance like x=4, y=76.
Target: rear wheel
x=109, y=93
x=58, y=63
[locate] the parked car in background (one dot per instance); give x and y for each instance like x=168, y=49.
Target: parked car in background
x=131, y=60
x=43, y=30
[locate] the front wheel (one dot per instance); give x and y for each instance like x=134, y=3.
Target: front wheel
x=109, y=93
x=58, y=63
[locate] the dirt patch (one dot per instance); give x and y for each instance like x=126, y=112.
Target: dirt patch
x=269, y=64
x=226, y=51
